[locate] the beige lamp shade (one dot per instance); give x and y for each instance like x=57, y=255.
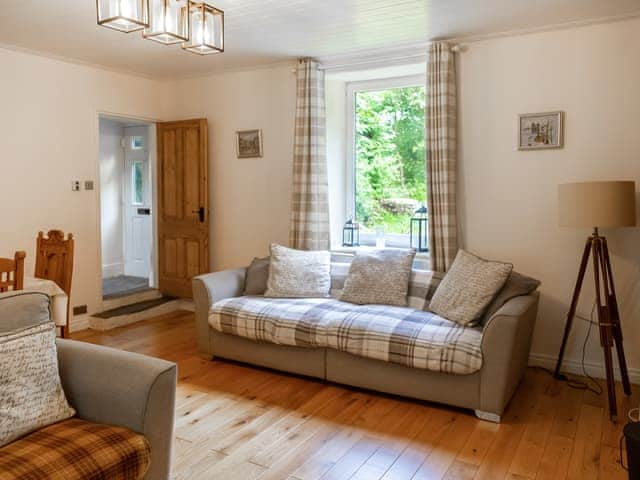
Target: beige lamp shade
x=597, y=204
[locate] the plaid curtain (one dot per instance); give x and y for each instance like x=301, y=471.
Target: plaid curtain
x=441, y=155
x=310, y=204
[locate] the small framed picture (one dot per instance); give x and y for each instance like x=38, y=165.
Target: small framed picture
x=249, y=143
x=538, y=131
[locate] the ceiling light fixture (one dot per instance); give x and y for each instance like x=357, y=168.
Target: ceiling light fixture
x=169, y=21
x=207, y=29
x=123, y=15
x=198, y=25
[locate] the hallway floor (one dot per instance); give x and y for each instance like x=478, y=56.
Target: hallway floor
x=123, y=285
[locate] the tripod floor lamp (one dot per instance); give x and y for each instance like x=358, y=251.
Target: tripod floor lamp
x=599, y=205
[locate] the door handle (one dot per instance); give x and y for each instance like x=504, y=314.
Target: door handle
x=200, y=213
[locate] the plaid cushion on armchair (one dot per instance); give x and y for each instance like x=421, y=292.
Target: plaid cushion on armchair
x=76, y=449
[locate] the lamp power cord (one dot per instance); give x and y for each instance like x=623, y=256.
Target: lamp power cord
x=591, y=384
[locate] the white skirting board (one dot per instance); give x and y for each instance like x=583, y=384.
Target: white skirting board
x=574, y=367
x=112, y=270
x=79, y=322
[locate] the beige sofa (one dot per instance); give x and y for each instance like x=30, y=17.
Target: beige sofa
x=505, y=343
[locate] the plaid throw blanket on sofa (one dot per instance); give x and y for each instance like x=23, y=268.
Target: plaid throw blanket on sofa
x=406, y=336
x=75, y=449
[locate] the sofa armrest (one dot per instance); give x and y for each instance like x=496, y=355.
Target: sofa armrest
x=126, y=389
x=506, y=341
x=207, y=290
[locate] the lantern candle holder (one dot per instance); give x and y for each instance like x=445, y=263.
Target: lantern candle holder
x=419, y=230
x=351, y=234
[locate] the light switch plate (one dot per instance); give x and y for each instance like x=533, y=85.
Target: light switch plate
x=75, y=186
x=88, y=184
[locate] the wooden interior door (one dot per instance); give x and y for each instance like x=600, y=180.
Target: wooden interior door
x=183, y=204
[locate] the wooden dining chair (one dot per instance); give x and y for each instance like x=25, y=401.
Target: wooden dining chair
x=12, y=272
x=54, y=261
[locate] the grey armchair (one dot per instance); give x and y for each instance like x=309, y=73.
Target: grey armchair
x=106, y=385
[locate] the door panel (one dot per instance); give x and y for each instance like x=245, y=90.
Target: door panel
x=183, y=235
x=138, y=228
x=167, y=145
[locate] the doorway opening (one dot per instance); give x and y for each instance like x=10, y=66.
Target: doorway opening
x=127, y=160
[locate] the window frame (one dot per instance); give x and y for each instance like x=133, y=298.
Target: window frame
x=134, y=200
x=133, y=145
x=352, y=88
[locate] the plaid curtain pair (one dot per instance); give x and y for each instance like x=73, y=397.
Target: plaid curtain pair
x=310, y=203
x=441, y=155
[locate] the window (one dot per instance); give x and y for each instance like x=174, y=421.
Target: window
x=387, y=158
x=137, y=143
x=138, y=184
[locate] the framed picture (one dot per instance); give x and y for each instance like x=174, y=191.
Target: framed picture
x=249, y=143
x=537, y=131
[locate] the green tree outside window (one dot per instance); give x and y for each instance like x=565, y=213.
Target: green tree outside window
x=390, y=157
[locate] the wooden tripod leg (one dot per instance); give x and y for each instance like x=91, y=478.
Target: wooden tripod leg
x=614, y=318
x=611, y=383
x=605, y=326
x=574, y=303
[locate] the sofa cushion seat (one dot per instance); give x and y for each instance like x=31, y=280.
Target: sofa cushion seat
x=76, y=449
x=405, y=336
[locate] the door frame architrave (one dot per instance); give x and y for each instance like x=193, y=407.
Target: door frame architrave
x=153, y=164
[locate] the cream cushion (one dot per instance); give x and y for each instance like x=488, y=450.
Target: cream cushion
x=468, y=288
x=31, y=395
x=379, y=277
x=298, y=273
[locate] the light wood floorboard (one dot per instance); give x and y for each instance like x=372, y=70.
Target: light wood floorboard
x=239, y=422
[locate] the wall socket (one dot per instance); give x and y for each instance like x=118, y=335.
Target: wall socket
x=75, y=186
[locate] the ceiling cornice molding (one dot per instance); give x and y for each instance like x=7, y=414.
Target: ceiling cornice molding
x=96, y=66
x=249, y=68
x=73, y=61
x=416, y=52
x=392, y=56
x=542, y=29
x=362, y=59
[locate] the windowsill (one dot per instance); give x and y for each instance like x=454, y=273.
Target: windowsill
x=341, y=249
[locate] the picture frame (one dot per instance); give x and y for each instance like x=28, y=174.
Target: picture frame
x=249, y=143
x=541, y=131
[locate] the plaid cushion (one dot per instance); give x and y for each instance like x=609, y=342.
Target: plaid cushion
x=406, y=336
x=422, y=284
x=75, y=449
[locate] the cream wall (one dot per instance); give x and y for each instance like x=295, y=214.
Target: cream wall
x=49, y=137
x=111, y=177
x=250, y=197
x=336, y=112
x=508, y=198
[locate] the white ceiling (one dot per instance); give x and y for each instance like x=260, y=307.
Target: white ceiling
x=260, y=32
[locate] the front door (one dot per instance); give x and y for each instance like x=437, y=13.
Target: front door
x=138, y=229
x=183, y=204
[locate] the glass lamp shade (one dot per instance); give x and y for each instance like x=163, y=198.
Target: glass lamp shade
x=169, y=21
x=123, y=15
x=206, y=25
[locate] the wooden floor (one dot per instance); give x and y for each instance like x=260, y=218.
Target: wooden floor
x=240, y=423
